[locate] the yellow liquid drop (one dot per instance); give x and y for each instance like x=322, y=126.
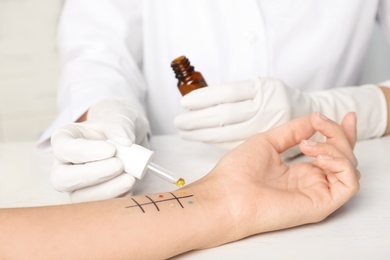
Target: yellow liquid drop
x=180, y=182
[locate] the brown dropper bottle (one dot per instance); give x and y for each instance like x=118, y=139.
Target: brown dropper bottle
x=188, y=78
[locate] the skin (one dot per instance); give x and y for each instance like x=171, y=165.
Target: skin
x=250, y=191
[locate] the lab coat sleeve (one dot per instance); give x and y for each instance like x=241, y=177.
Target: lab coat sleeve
x=100, y=45
x=384, y=22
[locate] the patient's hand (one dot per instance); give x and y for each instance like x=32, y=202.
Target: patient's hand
x=261, y=193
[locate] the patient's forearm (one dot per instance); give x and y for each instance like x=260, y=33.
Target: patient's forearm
x=143, y=227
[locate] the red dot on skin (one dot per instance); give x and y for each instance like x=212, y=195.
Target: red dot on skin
x=160, y=196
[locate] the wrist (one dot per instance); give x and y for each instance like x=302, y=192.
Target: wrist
x=217, y=224
x=82, y=118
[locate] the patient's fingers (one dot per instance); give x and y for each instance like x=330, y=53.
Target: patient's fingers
x=349, y=126
x=289, y=134
x=295, y=131
x=343, y=176
x=314, y=149
x=335, y=134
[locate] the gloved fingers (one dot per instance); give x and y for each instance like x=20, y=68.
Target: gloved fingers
x=85, y=130
x=142, y=132
x=69, y=145
x=234, y=132
x=120, y=129
x=119, y=119
x=217, y=116
x=113, y=188
x=70, y=177
x=221, y=94
x=229, y=133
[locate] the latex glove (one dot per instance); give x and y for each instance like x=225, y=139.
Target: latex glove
x=86, y=164
x=227, y=114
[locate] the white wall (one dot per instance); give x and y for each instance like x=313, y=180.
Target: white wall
x=29, y=66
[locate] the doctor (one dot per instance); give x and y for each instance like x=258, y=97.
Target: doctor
x=265, y=62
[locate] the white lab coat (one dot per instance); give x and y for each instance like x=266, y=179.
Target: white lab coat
x=124, y=48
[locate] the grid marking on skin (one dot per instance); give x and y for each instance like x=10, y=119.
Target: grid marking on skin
x=178, y=200
x=138, y=205
x=155, y=202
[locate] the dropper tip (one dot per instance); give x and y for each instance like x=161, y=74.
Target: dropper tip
x=180, y=182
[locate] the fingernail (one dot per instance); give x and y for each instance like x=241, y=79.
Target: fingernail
x=309, y=143
x=325, y=157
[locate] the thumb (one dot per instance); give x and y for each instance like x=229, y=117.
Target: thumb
x=120, y=131
x=114, y=117
x=291, y=133
x=221, y=94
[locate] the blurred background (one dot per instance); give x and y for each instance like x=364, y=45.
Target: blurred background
x=29, y=68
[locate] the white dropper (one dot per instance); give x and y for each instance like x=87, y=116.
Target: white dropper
x=137, y=161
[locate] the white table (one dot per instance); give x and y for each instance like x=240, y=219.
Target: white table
x=359, y=230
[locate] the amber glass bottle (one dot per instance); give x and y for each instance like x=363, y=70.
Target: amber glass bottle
x=188, y=78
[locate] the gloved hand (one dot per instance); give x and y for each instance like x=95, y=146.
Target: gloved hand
x=228, y=114
x=86, y=164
